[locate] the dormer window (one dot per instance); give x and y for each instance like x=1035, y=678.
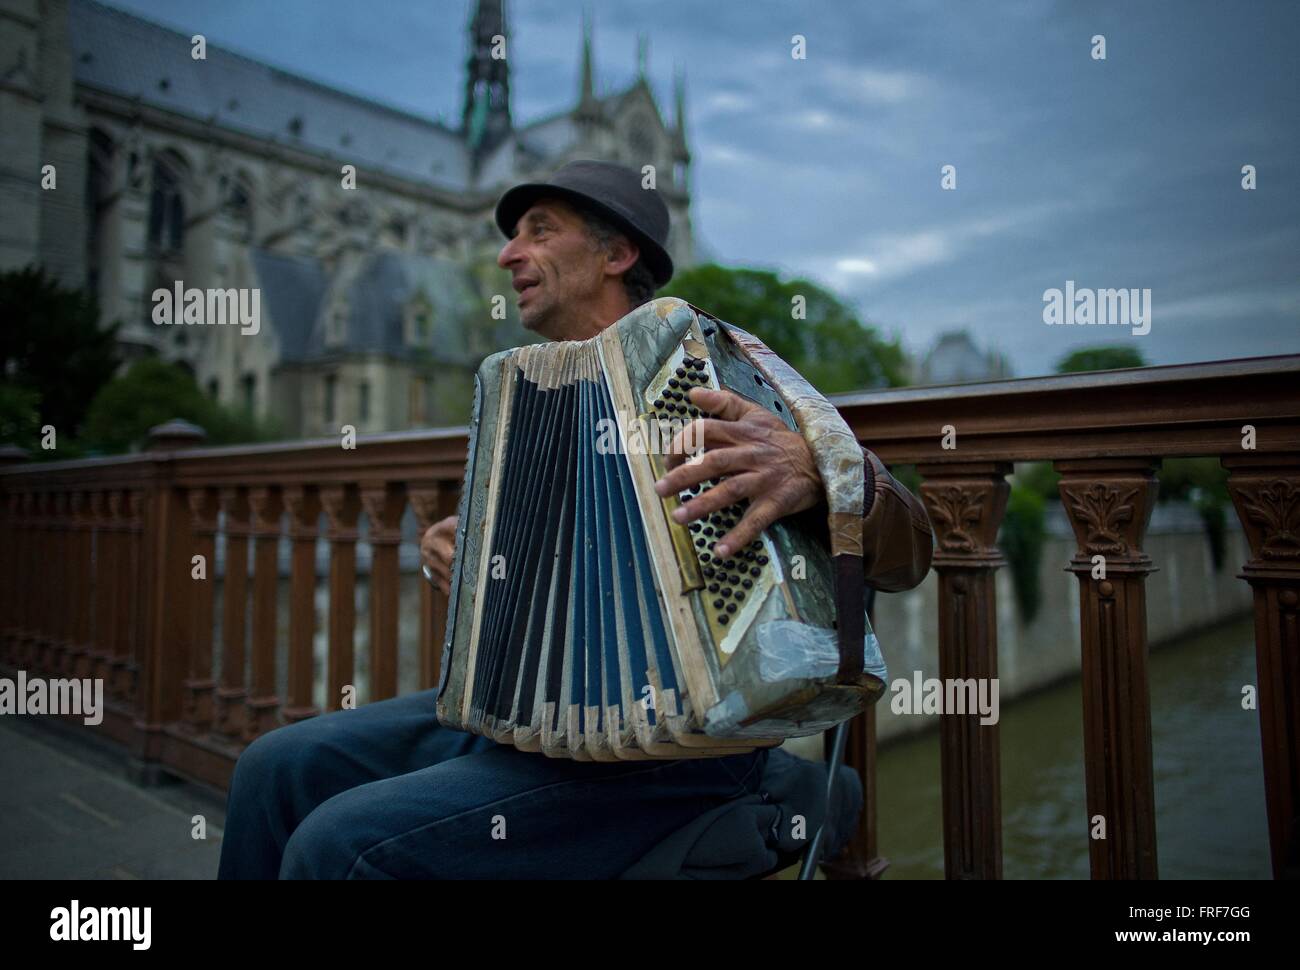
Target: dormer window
x=336, y=325
x=419, y=321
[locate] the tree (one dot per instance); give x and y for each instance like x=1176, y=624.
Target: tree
x=829, y=346
x=54, y=357
x=152, y=392
x=1100, y=358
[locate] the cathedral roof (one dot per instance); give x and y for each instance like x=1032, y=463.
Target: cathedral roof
x=374, y=293
x=126, y=55
x=123, y=54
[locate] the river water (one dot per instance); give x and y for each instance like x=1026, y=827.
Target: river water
x=1210, y=815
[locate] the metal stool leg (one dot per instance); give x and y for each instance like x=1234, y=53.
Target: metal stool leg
x=814, y=854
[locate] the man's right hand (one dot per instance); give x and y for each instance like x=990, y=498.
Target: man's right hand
x=437, y=548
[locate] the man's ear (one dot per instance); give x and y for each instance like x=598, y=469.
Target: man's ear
x=621, y=256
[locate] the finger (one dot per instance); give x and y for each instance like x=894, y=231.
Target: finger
x=756, y=518
x=698, y=435
x=720, y=461
x=444, y=548
x=725, y=493
x=727, y=405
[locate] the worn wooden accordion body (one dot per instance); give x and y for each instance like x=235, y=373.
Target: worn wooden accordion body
x=584, y=622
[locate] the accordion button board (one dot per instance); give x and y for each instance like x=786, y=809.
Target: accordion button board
x=584, y=621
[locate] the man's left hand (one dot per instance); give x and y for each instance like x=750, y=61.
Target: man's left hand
x=756, y=456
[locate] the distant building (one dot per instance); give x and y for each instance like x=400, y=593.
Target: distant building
x=954, y=359
x=226, y=172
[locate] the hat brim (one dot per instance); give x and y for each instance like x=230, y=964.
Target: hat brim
x=518, y=200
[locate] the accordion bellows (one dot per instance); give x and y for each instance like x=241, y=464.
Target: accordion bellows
x=583, y=621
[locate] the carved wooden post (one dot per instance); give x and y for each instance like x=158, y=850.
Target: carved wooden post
x=199, y=683
x=431, y=504
x=966, y=503
x=1265, y=489
x=232, y=693
x=263, y=703
x=1109, y=503
x=303, y=505
x=384, y=504
x=342, y=507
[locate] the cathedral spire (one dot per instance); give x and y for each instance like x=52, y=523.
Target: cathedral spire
x=485, y=120
x=588, y=92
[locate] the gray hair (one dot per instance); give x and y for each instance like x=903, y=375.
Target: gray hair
x=638, y=281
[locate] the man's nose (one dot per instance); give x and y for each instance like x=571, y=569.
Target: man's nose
x=509, y=254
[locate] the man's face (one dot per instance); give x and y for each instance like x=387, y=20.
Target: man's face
x=554, y=266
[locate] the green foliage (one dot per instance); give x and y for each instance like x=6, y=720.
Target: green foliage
x=1100, y=358
x=20, y=419
x=1040, y=478
x=1021, y=539
x=830, y=347
x=1204, y=483
x=152, y=392
x=54, y=357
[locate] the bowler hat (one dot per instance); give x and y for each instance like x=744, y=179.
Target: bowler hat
x=615, y=193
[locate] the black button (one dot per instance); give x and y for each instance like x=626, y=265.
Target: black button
x=747, y=582
x=740, y=594
x=717, y=604
x=723, y=619
x=680, y=372
x=731, y=607
x=762, y=560
x=713, y=587
x=755, y=571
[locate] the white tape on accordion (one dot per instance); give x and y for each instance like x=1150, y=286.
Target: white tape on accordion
x=790, y=650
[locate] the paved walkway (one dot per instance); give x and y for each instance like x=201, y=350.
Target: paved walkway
x=69, y=812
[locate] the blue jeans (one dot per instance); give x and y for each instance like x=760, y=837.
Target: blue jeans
x=386, y=792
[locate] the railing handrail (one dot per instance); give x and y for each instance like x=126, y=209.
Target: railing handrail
x=1147, y=406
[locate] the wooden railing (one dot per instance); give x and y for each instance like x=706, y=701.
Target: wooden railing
x=98, y=578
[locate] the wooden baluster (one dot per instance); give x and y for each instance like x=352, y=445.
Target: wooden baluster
x=1109, y=503
x=384, y=504
x=11, y=557
x=342, y=507
x=54, y=564
x=199, y=683
x=100, y=642
x=44, y=587
x=966, y=503
x=303, y=505
x=1265, y=490
x=80, y=599
x=129, y=658
x=431, y=504
x=232, y=694
x=263, y=704
x=114, y=576
x=21, y=503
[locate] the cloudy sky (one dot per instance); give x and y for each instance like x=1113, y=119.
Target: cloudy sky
x=1115, y=173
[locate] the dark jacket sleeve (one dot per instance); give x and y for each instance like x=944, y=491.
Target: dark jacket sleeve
x=897, y=538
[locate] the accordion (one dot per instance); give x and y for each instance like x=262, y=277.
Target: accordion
x=584, y=621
